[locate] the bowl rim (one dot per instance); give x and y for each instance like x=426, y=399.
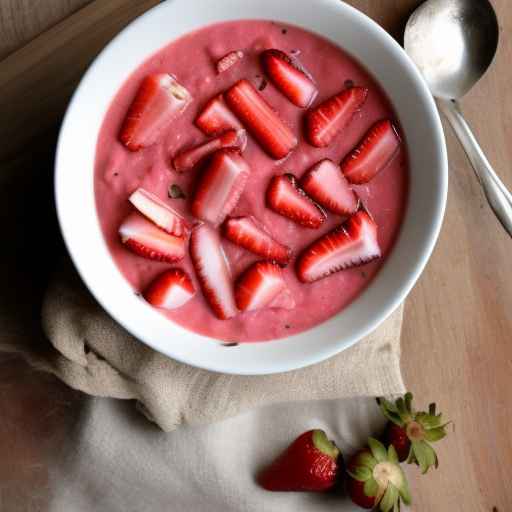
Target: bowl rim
x=80, y=260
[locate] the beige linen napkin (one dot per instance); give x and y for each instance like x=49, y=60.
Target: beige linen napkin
x=96, y=355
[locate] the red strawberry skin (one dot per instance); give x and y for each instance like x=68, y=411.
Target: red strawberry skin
x=170, y=289
x=187, y=159
x=246, y=232
x=325, y=122
x=373, y=154
x=355, y=488
x=260, y=119
x=325, y=183
x=302, y=467
x=351, y=244
x=289, y=77
x=158, y=101
x=216, y=117
x=285, y=197
x=397, y=436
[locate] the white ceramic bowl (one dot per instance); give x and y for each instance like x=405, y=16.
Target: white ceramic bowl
x=354, y=32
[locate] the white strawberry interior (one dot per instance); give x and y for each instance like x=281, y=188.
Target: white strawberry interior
x=268, y=289
x=304, y=90
x=175, y=297
x=169, y=101
x=288, y=196
x=137, y=228
x=217, y=117
x=213, y=267
x=352, y=252
x=376, y=153
x=328, y=177
x=224, y=187
x=158, y=212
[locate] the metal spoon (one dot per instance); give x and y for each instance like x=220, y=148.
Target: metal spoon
x=453, y=42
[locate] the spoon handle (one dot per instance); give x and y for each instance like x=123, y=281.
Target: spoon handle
x=499, y=198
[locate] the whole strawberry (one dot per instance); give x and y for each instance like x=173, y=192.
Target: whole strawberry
x=310, y=463
x=375, y=478
x=412, y=432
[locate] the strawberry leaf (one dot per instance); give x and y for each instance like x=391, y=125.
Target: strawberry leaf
x=367, y=460
x=378, y=450
x=389, y=499
x=390, y=414
x=392, y=455
x=403, y=490
x=431, y=455
x=371, y=487
x=435, y=434
x=361, y=473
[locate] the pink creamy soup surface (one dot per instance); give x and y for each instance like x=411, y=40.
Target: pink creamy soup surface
x=192, y=60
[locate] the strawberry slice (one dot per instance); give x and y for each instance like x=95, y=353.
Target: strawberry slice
x=289, y=77
x=149, y=241
x=330, y=117
x=373, y=154
x=261, y=286
x=190, y=157
x=229, y=60
x=159, y=100
x=217, y=118
x=351, y=244
x=286, y=198
x=221, y=186
x=325, y=183
x=212, y=270
x=246, y=232
x=260, y=119
x=170, y=290
x=159, y=212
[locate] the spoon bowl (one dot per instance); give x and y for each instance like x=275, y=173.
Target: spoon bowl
x=453, y=42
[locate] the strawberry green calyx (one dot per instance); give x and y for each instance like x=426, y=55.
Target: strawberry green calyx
x=322, y=443
x=382, y=477
x=418, y=427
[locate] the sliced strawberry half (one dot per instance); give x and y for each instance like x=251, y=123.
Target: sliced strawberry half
x=159, y=100
x=289, y=77
x=170, y=289
x=221, y=186
x=159, y=212
x=351, y=244
x=325, y=183
x=229, y=60
x=261, y=286
x=373, y=154
x=324, y=122
x=216, y=117
x=149, y=241
x=260, y=119
x=212, y=270
x=190, y=157
x=285, y=197
x=248, y=233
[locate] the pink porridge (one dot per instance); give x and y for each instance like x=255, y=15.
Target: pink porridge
x=232, y=246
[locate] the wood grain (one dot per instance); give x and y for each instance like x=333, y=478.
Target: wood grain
x=21, y=20
x=457, y=346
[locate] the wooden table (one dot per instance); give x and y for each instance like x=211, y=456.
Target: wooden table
x=456, y=339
